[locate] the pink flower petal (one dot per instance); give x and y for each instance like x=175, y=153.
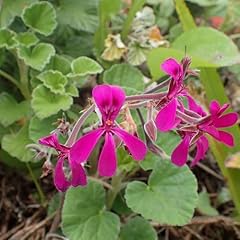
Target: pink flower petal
x=193, y=106
x=226, y=138
x=211, y=131
x=107, y=162
x=82, y=149
x=52, y=141
x=226, y=120
x=109, y=100
x=78, y=175
x=135, y=146
x=180, y=153
x=214, y=107
x=166, y=117
x=60, y=180
x=172, y=68
x=202, y=147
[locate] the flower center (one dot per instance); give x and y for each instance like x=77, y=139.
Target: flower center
x=109, y=123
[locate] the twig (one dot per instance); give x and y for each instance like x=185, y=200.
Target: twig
x=37, y=226
x=57, y=218
x=210, y=171
x=193, y=233
x=105, y=184
x=11, y=232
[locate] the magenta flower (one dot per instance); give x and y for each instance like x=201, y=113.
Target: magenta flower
x=166, y=117
x=208, y=125
x=218, y=120
x=60, y=180
x=109, y=100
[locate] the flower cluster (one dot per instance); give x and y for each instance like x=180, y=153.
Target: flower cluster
x=166, y=111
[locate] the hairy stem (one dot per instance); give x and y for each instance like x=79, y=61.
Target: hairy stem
x=10, y=78
x=37, y=185
x=116, y=187
x=73, y=136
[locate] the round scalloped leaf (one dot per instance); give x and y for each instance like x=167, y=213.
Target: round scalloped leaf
x=138, y=228
x=80, y=14
x=45, y=103
x=40, y=17
x=26, y=39
x=15, y=110
x=83, y=66
x=72, y=90
x=59, y=63
x=12, y=8
x=170, y=196
x=210, y=45
x=84, y=216
x=54, y=80
x=126, y=76
x=7, y=39
x=37, y=57
x=15, y=144
x=41, y=127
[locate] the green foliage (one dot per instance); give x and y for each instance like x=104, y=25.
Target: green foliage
x=204, y=204
x=206, y=47
x=40, y=17
x=41, y=127
x=37, y=57
x=7, y=39
x=45, y=103
x=106, y=9
x=54, y=80
x=11, y=9
x=11, y=110
x=81, y=14
x=59, y=63
x=125, y=75
x=138, y=228
x=15, y=144
x=27, y=39
x=169, y=197
x=83, y=66
x=84, y=216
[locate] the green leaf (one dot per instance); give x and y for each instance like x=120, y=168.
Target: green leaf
x=41, y=127
x=45, y=103
x=27, y=39
x=15, y=144
x=72, y=90
x=40, y=17
x=136, y=54
x=84, y=217
x=81, y=14
x=206, y=47
x=138, y=229
x=209, y=45
x=126, y=76
x=10, y=110
x=7, y=39
x=204, y=205
x=83, y=66
x=11, y=9
x=54, y=80
x=169, y=198
x=37, y=57
x=59, y=63
x=158, y=55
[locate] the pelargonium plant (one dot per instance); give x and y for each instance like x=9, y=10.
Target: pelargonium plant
x=167, y=111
